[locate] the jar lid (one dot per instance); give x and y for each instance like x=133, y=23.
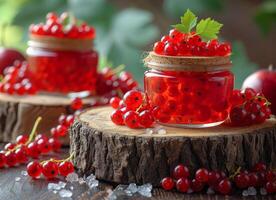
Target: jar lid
x=55, y=43
x=185, y=63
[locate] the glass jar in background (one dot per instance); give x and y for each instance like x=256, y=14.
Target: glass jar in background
x=62, y=65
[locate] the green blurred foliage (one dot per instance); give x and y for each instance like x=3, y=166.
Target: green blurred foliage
x=242, y=66
x=121, y=35
x=266, y=15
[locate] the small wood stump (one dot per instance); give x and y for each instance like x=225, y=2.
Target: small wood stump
x=122, y=155
x=18, y=114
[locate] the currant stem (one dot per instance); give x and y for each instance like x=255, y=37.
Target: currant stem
x=33, y=132
x=58, y=161
x=118, y=69
x=236, y=173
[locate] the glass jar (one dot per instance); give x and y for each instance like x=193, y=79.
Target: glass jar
x=62, y=65
x=189, y=91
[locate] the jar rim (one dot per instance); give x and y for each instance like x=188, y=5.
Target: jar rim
x=187, y=63
x=55, y=43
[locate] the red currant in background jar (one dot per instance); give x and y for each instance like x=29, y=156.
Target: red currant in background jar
x=189, y=91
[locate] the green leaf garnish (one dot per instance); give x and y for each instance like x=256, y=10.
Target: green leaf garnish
x=208, y=29
x=188, y=22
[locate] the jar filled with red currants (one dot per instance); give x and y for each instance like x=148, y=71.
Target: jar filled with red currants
x=189, y=91
x=61, y=55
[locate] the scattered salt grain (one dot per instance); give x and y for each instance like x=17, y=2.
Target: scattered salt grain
x=145, y=190
x=91, y=181
x=252, y=191
x=62, y=184
x=71, y=188
x=149, y=131
x=17, y=179
x=73, y=177
x=54, y=186
x=245, y=193
x=65, y=193
x=162, y=131
x=210, y=191
x=131, y=189
x=24, y=173
x=81, y=181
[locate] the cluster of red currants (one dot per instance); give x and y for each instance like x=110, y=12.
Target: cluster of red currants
x=50, y=168
x=181, y=44
x=248, y=107
x=17, y=80
x=26, y=147
x=65, y=121
x=132, y=111
x=63, y=26
x=109, y=84
x=217, y=180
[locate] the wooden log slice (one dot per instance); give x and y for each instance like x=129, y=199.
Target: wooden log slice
x=18, y=114
x=122, y=155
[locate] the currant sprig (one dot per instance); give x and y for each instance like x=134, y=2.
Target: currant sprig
x=258, y=177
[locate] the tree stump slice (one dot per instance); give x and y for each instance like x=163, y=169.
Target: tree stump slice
x=122, y=155
x=18, y=114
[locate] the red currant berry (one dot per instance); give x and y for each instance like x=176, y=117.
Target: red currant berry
x=9, y=146
x=167, y=183
x=44, y=146
x=21, y=139
x=242, y=180
x=34, y=169
x=182, y=185
x=2, y=159
x=166, y=38
x=170, y=49
x=249, y=93
x=50, y=169
x=270, y=187
x=175, y=34
x=32, y=150
x=69, y=120
x=238, y=115
x=202, y=175
x=158, y=47
x=259, y=167
x=133, y=99
x=196, y=185
x=225, y=187
x=254, y=179
x=117, y=117
x=181, y=171
x=55, y=144
x=62, y=130
x=270, y=175
x=146, y=119
x=77, y=104
x=131, y=119
x=114, y=102
x=11, y=160
x=21, y=155
x=65, y=168
x=62, y=119
x=213, y=178
x=54, y=132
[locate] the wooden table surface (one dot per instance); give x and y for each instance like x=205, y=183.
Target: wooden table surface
x=28, y=189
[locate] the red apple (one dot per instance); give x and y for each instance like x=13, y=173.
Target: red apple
x=8, y=56
x=264, y=81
